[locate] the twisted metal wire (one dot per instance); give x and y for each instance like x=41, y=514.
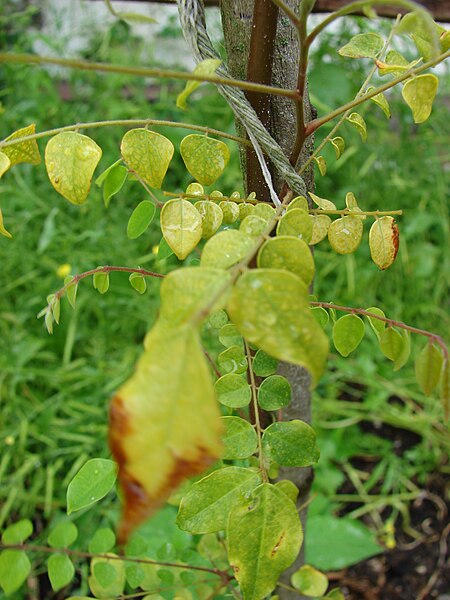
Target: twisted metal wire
x=192, y=19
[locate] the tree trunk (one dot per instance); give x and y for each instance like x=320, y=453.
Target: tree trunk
x=251, y=44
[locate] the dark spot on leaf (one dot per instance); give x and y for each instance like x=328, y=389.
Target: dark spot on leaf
x=278, y=544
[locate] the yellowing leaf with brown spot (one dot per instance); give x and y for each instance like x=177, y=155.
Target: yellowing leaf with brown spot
x=419, y=94
x=181, y=225
x=22, y=152
x=148, y=154
x=384, y=242
x=165, y=423
x=71, y=159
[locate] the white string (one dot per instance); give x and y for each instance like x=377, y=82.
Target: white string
x=265, y=171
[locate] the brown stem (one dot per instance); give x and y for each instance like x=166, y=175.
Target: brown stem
x=259, y=70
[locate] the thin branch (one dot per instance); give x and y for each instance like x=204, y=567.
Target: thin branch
x=210, y=198
x=348, y=212
x=316, y=123
x=433, y=337
x=144, y=72
x=256, y=412
x=80, y=554
x=124, y=123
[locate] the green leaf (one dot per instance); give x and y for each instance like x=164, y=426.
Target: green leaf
x=291, y=443
x=5, y=163
x=60, y=571
x=185, y=292
x=264, y=211
x=264, y=365
x=103, y=541
x=232, y=360
x=405, y=351
x=419, y=94
x=18, y=532
x=218, y=319
x=92, y=482
x=309, y=581
x=295, y=223
x=288, y=488
x=352, y=205
x=377, y=326
x=56, y=309
x=48, y=319
x=161, y=429
x=262, y=309
x=274, y=393
x=102, y=177
x=321, y=164
x=423, y=31
x=289, y=253
x=299, y=202
x=22, y=152
x=338, y=144
x=148, y=154
x=445, y=388
x=345, y=234
x=357, y=121
x=113, y=182
x=322, y=203
x=391, y=343
x=204, y=157
x=428, y=368
x=205, y=67
x=320, y=226
x=113, y=584
x=71, y=159
x=14, y=569
x=264, y=539
x=136, y=18
x=63, y=535
x=138, y=282
x=140, y=219
x=381, y=101
x=230, y=211
x=164, y=250
x=321, y=315
x=233, y=390
x=212, y=217
x=226, y=248
x=240, y=439
x=230, y=336
x=383, y=242
x=363, y=45
x=245, y=208
x=181, y=225
x=348, y=332
x=71, y=290
x=206, y=506
x=335, y=543
x=253, y=226
x=100, y=282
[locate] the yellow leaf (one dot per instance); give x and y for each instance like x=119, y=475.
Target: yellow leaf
x=3, y=231
x=181, y=225
x=419, y=94
x=27, y=152
x=204, y=157
x=206, y=67
x=345, y=234
x=383, y=242
x=71, y=159
x=148, y=154
x=163, y=429
x=320, y=227
x=322, y=202
x=5, y=163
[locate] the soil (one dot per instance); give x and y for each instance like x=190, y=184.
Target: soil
x=416, y=569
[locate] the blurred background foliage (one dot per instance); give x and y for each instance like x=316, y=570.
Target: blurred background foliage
x=55, y=390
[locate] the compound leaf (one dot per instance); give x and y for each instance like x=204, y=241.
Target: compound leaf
x=291, y=443
x=140, y=219
x=92, y=482
x=384, y=242
x=289, y=253
x=60, y=571
x=233, y=390
x=363, y=45
x=212, y=217
x=18, y=532
x=419, y=94
x=240, y=439
x=348, y=332
x=226, y=248
x=22, y=152
x=345, y=234
x=14, y=569
x=357, y=121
